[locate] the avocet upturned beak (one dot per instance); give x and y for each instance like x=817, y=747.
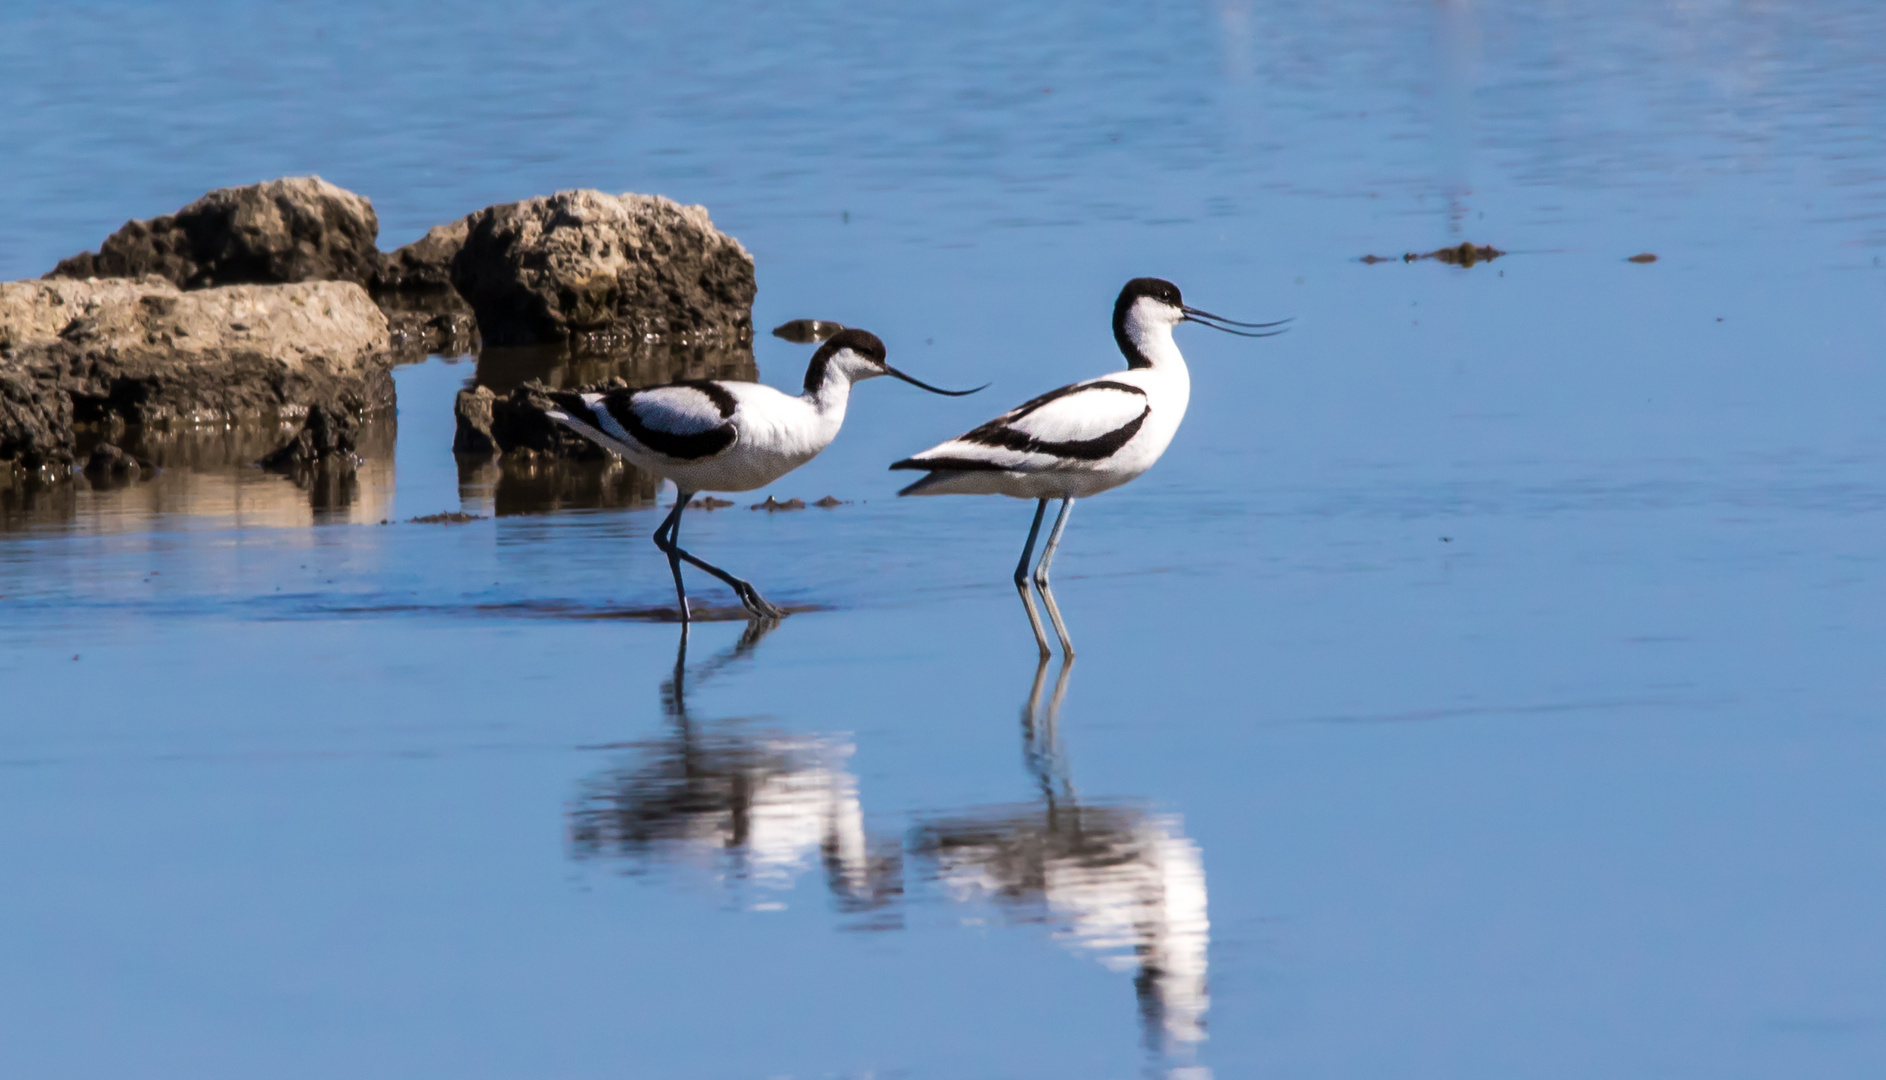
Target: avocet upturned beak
x=1206, y=318
x=889, y=370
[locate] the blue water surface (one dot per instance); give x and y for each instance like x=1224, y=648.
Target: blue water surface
x=1486, y=684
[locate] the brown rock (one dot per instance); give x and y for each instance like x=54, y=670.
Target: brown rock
x=332, y=325
x=424, y=312
x=585, y=266
x=282, y=231
x=472, y=409
x=35, y=425
x=425, y=265
x=143, y=352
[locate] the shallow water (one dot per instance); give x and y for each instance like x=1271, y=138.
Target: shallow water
x=1486, y=683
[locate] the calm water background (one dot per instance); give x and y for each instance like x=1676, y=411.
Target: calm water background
x=1502, y=648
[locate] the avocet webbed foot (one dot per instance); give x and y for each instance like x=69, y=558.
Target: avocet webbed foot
x=758, y=605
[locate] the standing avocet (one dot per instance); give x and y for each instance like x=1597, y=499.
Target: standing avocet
x=720, y=435
x=1084, y=438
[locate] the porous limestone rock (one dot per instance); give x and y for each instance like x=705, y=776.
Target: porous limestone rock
x=294, y=229
x=141, y=351
x=591, y=268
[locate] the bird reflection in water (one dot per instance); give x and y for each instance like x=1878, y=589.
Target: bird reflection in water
x=1113, y=880
x=755, y=808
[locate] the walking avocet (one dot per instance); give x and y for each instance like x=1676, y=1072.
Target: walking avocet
x=720, y=435
x=1084, y=438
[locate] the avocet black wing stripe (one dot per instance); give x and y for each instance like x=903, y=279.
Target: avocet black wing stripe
x=950, y=464
x=1085, y=422
x=686, y=421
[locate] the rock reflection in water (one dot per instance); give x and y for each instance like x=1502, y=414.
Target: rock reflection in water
x=210, y=473
x=509, y=484
x=1112, y=879
x=754, y=808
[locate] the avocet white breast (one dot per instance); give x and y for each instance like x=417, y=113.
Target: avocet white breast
x=1084, y=438
x=721, y=435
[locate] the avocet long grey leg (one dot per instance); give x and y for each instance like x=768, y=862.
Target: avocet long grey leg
x=664, y=540
x=1041, y=575
x=1021, y=582
x=750, y=597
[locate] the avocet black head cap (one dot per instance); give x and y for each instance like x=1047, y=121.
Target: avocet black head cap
x=1152, y=288
x=863, y=342
x=1158, y=300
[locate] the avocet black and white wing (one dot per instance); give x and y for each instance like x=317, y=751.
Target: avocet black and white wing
x=685, y=421
x=1080, y=426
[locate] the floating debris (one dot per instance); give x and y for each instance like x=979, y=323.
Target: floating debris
x=830, y=501
x=1645, y=257
x=710, y=503
x=1462, y=254
x=454, y=517
x=806, y=331
x=771, y=504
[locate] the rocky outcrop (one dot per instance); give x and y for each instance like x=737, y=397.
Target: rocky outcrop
x=414, y=288
x=35, y=423
x=331, y=325
x=472, y=411
x=591, y=268
x=143, y=352
x=423, y=266
x=279, y=232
